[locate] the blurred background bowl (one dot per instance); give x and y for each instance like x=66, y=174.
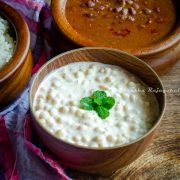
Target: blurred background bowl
x=160, y=56
x=15, y=75
x=99, y=160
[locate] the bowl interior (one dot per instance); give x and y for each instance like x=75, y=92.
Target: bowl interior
x=21, y=34
x=59, y=17
x=12, y=30
x=108, y=56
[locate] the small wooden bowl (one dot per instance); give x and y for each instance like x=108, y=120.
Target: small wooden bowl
x=160, y=56
x=98, y=160
x=15, y=75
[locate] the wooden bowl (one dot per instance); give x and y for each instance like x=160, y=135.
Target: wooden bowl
x=161, y=56
x=15, y=75
x=98, y=160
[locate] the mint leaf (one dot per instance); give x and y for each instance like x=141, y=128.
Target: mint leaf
x=102, y=112
x=87, y=103
x=108, y=102
x=99, y=94
x=98, y=101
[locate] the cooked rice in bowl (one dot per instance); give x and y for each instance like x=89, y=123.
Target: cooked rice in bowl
x=7, y=43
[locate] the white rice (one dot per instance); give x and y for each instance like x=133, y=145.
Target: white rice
x=7, y=44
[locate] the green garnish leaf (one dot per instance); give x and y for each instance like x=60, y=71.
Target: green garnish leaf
x=99, y=102
x=87, y=103
x=99, y=94
x=108, y=102
x=102, y=112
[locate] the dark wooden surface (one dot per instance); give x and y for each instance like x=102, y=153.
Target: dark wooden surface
x=162, y=158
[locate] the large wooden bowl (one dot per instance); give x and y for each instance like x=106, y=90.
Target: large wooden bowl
x=160, y=56
x=98, y=160
x=15, y=75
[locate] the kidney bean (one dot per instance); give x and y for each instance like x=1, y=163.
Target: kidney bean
x=91, y=4
x=117, y=33
x=132, y=11
x=123, y=2
x=120, y=22
x=131, y=18
x=89, y=15
x=125, y=11
x=159, y=20
x=153, y=31
x=101, y=8
x=110, y=9
x=106, y=16
x=118, y=9
x=158, y=9
x=135, y=6
x=124, y=17
x=129, y=2
x=142, y=26
x=147, y=11
x=149, y=21
x=123, y=32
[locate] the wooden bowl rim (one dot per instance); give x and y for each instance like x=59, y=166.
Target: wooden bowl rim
x=22, y=40
x=59, y=18
x=106, y=49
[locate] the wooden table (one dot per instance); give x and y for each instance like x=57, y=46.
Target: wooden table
x=162, y=159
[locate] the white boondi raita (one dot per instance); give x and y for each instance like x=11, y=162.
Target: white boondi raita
x=7, y=44
x=57, y=105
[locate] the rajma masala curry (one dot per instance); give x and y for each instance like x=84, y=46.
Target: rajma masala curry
x=123, y=24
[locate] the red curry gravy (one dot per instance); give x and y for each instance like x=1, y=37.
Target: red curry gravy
x=123, y=24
